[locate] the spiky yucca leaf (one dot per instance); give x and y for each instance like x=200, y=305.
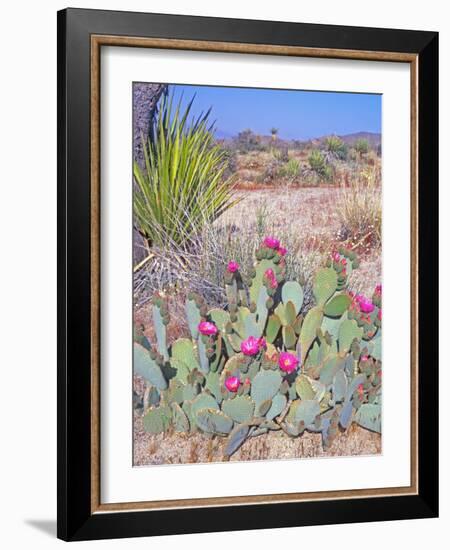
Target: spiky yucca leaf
x=181, y=186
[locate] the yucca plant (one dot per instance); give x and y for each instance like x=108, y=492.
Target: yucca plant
x=335, y=148
x=182, y=184
x=319, y=165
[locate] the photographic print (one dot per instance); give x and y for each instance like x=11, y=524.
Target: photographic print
x=257, y=274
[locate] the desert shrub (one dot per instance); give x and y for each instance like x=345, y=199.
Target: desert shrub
x=181, y=186
x=361, y=146
x=359, y=208
x=291, y=169
x=335, y=148
x=280, y=153
x=319, y=165
x=247, y=141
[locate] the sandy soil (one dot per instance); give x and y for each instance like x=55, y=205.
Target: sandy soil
x=198, y=448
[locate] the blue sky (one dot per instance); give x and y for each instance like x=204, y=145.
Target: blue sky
x=297, y=114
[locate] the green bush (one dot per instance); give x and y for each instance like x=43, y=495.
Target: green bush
x=361, y=146
x=319, y=165
x=181, y=186
x=336, y=147
x=291, y=169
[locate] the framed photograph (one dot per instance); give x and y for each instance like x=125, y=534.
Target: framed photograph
x=247, y=252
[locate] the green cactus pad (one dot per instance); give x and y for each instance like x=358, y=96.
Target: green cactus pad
x=289, y=337
x=193, y=317
x=183, y=350
x=140, y=338
x=374, y=346
x=293, y=292
x=263, y=407
x=179, y=419
x=220, y=318
x=240, y=408
x=339, y=386
x=213, y=385
x=176, y=391
x=257, y=282
x=331, y=365
x=305, y=411
x=324, y=285
x=304, y=387
x=160, y=331
x=348, y=331
x=273, y=328
x=345, y=418
x=236, y=438
x=265, y=385
x=147, y=368
x=157, y=420
x=182, y=370
x=203, y=401
x=204, y=361
x=190, y=391
x=278, y=404
x=369, y=416
x=213, y=421
x=337, y=306
x=312, y=322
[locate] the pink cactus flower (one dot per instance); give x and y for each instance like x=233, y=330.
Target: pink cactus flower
x=250, y=346
x=232, y=267
x=287, y=362
x=365, y=305
x=378, y=289
x=270, y=275
x=247, y=381
x=335, y=257
x=282, y=251
x=361, y=390
x=379, y=315
x=207, y=328
x=232, y=383
x=271, y=242
x=262, y=343
x=364, y=358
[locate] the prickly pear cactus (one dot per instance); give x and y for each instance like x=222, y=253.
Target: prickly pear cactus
x=262, y=363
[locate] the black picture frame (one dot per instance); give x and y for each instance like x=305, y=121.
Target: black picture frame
x=76, y=520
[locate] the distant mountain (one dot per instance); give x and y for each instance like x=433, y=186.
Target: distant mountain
x=373, y=138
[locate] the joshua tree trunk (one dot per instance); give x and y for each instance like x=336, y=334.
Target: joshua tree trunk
x=145, y=100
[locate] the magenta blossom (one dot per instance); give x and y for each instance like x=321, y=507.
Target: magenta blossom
x=282, y=251
x=364, y=358
x=207, y=328
x=287, y=362
x=232, y=383
x=271, y=242
x=252, y=345
x=378, y=289
x=270, y=275
x=365, y=305
x=335, y=257
x=232, y=267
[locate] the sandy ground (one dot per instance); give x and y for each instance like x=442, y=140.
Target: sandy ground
x=198, y=448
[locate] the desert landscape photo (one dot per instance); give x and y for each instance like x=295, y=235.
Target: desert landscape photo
x=257, y=274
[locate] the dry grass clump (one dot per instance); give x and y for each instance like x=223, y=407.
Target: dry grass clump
x=359, y=208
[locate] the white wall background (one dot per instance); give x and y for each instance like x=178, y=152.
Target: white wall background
x=28, y=273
